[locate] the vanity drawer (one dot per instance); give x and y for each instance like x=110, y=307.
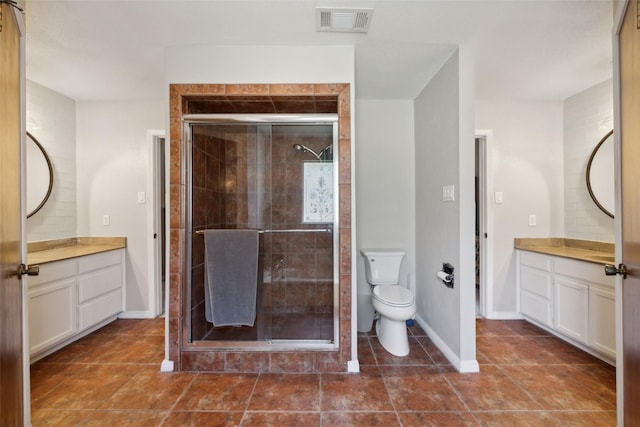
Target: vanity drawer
x=99, y=282
x=534, y=260
x=94, y=262
x=536, y=282
x=53, y=272
x=101, y=308
x=583, y=271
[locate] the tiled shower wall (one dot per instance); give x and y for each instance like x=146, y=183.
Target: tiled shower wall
x=196, y=356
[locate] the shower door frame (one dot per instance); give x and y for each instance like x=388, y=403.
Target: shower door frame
x=188, y=120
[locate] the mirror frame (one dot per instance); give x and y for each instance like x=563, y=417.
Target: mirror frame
x=50, y=166
x=593, y=155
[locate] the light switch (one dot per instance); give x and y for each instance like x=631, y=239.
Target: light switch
x=141, y=197
x=106, y=220
x=532, y=220
x=498, y=196
x=448, y=193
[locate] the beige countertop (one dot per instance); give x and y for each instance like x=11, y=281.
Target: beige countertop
x=57, y=250
x=583, y=250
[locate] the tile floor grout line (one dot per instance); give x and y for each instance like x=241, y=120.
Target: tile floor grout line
x=253, y=389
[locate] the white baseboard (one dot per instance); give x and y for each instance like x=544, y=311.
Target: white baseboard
x=166, y=366
x=463, y=366
x=353, y=366
x=136, y=315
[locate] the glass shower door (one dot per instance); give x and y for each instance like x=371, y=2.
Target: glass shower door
x=277, y=178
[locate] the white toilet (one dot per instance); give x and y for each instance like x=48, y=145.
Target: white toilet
x=395, y=304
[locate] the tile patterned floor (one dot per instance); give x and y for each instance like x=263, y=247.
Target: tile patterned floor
x=527, y=378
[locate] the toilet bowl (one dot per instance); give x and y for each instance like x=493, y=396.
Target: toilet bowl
x=393, y=303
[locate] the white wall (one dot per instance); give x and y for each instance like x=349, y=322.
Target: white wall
x=588, y=116
x=273, y=64
x=112, y=166
x=385, y=191
x=445, y=230
x=528, y=169
x=51, y=119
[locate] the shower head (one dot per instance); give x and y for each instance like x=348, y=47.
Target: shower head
x=306, y=149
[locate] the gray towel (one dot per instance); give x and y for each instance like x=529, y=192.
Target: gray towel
x=231, y=276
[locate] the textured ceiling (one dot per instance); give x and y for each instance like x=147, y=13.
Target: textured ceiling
x=536, y=49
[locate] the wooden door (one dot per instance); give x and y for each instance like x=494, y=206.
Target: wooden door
x=629, y=78
x=11, y=361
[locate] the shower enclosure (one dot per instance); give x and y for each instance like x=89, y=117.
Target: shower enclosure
x=275, y=174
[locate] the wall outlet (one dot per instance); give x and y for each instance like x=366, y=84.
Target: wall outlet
x=106, y=220
x=532, y=220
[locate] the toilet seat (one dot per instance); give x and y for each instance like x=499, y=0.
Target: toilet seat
x=393, y=295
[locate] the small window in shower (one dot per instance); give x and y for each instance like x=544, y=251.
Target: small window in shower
x=318, y=193
x=279, y=178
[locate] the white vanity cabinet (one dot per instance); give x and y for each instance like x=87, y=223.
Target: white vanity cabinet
x=70, y=298
x=571, y=298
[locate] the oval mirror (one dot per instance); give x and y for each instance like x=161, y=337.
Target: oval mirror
x=39, y=176
x=600, y=175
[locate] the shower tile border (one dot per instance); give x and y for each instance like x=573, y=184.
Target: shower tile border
x=187, y=358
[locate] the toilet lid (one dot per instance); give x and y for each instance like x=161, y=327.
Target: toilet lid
x=393, y=295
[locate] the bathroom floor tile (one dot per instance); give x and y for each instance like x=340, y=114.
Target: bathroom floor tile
x=490, y=389
x=149, y=389
x=437, y=419
x=516, y=419
x=102, y=418
x=365, y=352
x=86, y=388
x=122, y=349
x=585, y=418
x=348, y=392
x=84, y=350
x=433, y=351
x=57, y=417
x=280, y=419
x=554, y=387
x=515, y=350
x=286, y=392
x=600, y=379
x=527, y=378
x=420, y=388
x=566, y=352
x=197, y=419
x=417, y=354
x=217, y=392
x=359, y=419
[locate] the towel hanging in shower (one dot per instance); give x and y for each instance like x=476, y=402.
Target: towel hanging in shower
x=231, y=276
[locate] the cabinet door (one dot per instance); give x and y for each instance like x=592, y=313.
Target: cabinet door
x=52, y=314
x=571, y=309
x=602, y=326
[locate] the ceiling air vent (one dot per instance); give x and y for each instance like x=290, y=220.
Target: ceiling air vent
x=343, y=20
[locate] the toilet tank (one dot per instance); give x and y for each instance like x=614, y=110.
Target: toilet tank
x=382, y=266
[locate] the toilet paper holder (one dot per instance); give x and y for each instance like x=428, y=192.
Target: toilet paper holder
x=446, y=274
